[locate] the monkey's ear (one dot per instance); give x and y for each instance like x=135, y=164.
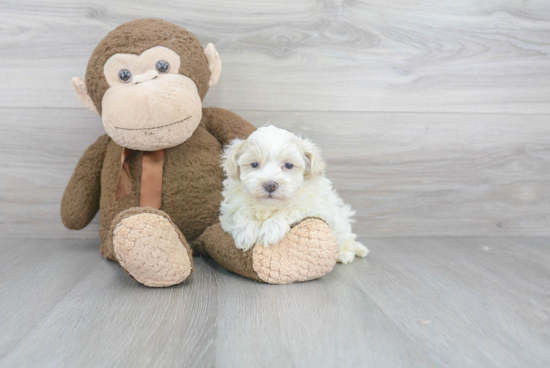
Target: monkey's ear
x=230, y=156
x=79, y=86
x=214, y=63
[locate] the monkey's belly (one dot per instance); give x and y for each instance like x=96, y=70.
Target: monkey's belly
x=191, y=184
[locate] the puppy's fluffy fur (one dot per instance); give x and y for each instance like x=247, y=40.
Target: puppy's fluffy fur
x=275, y=179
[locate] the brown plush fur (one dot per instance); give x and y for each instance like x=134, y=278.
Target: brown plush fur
x=220, y=246
x=191, y=184
x=80, y=204
x=192, y=176
x=138, y=36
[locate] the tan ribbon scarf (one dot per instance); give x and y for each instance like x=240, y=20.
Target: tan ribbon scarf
x=151, y=178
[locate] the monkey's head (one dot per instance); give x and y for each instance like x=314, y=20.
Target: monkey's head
x=147, y=79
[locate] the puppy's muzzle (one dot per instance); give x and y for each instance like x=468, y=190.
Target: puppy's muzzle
x=271, y=186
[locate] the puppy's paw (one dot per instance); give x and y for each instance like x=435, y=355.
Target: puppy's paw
x=348, y=253
x=345, y=257
x=360, y=250
x=246, y=235
x=273, y=231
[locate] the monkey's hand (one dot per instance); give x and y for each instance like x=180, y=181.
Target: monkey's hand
x=80, y=201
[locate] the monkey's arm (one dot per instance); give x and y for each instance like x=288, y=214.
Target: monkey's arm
x=80, y=201
x=226, y=125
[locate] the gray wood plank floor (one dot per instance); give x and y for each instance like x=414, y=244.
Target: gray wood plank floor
x=414, y=302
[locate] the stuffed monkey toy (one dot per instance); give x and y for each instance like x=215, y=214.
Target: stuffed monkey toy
x=155, y=175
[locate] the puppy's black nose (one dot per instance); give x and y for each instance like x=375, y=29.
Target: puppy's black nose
x=271, y=186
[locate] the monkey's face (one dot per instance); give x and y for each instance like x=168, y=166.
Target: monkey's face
x=149, y=105
x=147, y=79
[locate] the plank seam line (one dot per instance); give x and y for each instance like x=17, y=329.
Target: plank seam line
x=321, y=111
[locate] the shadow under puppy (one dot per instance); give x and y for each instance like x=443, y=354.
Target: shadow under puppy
x=274, y=180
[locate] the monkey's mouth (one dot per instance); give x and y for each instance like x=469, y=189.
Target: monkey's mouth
x=153, y=128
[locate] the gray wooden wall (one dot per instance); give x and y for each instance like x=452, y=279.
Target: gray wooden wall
x=434, y=117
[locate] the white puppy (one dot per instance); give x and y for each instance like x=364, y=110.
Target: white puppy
x=274, y=180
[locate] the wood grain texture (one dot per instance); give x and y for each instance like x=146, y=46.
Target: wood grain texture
x=493, y=291
x=405, y=174
x=434, y=121
x=324, y=323
x=34, y=277
x=414, y=302
x=104, y=318
x=334, y=55
x=321, y=68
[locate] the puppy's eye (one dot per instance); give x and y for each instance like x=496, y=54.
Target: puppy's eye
x=124, y=75
x=162, y=66
x=288, y=166
x=254, y=165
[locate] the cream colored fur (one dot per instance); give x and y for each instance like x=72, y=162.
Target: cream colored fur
x=252, y=215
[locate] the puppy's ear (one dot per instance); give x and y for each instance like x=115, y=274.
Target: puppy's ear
x=316, y=165
x=230, y=156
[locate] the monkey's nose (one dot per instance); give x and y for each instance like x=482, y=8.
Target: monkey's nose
x=271, y=186
x=145, y=77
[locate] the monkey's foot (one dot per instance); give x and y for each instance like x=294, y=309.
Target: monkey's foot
x=150, y=248
x=308, y=251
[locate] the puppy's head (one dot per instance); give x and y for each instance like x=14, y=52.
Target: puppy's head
x=272, y=164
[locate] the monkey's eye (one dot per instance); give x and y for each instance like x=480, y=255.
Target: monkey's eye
x=124, y=75
x=162, y=66
x=254, y=165
x=288, y=166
